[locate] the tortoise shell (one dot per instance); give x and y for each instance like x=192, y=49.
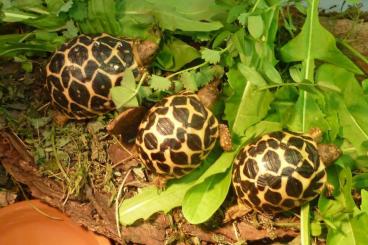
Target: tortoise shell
x=176, y=135
x=81, y=73
x=280, y=171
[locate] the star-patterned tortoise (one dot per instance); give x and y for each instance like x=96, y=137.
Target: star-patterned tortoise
x=81, y=73
x=176, y=134
x=282, y=170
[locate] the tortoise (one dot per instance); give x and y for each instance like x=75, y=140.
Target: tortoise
x=282, y=170
x=81, y=73
x=176, y=134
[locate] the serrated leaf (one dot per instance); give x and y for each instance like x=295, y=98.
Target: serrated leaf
x=66, y=6
x=71, y=30
x=144, y=92
x=243, y=19
x=188, y=80
x=202, y=201
x=255, y=26
x=160, y=83
x=125, y=95
x=211, y=56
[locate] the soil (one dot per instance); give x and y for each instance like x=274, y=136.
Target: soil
x=29, y=161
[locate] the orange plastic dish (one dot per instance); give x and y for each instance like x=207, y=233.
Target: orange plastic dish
x=21, y=223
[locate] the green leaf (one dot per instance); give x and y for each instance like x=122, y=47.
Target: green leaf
x=170, y=20
x=148, y=202
x=349, y=104
x=207, y=73
x=247, y=105
x=54, y=5
x=101, y=18
x=151, y=200
x=364, y=205
x=341, y=179
x=160, y=83
x=243, y=19
x=202, y=200
x=307, y=114
x=328, y=86
x=125, y=95
x=251, y=74
x=316, y=228
x=360, y=181
x=255, y=26
x=174, y=54
x=192, y=9
x=211, y=56
x=295, y=73
x=261, y=128
x=188, y=80
x=78, y=11
x=235, y=11
x=66, y=6
x=271, y=72
x=71, y=30
x=220, y=38
x=315, y=42
x=349, y=230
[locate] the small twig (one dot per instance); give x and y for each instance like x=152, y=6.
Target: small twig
x=123, y=161
x=122, y=146
x=43, y=106
x=236, y=231
x=117, y=202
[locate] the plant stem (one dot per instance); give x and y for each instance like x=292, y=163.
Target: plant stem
x=304, y=226
x=286, y=84
x=352, y=50
x=118, y=202
x=188, y=69
x=56, y=155
x=137, y=89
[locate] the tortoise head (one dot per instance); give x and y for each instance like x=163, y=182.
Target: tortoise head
x=144, y=51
